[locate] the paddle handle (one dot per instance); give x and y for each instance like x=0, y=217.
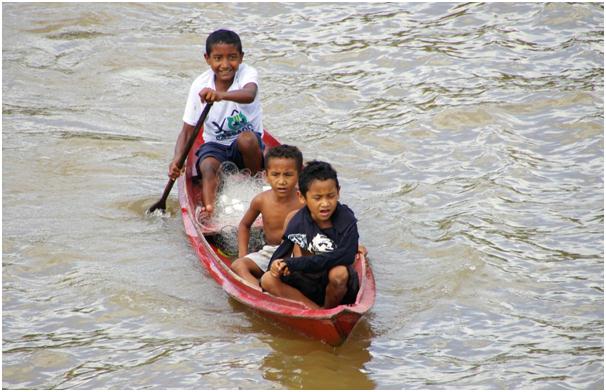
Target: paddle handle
x=194, y=135
x=161, y=204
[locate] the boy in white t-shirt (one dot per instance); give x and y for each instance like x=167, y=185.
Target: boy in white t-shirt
x=233, y=128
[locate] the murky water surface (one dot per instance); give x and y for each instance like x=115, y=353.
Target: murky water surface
x=469, y=140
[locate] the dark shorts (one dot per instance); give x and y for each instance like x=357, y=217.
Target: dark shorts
x=313, y=285
x=224, y=153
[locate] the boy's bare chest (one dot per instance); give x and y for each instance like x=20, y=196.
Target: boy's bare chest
x=274, y=217
x=274, y=214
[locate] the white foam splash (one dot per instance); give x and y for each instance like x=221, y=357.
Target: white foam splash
x=158, y=213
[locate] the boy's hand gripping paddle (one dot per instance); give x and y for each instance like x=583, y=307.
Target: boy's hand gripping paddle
x=161, y=204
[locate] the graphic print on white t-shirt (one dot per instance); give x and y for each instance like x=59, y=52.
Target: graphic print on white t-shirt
x=236, y=124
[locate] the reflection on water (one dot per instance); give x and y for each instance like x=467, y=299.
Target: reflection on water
x=299, y=365
x=296, y=362
x=468, y=138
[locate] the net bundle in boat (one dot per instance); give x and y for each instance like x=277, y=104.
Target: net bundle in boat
x=235, y=193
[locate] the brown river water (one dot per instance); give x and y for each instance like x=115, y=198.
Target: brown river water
x=469, y=140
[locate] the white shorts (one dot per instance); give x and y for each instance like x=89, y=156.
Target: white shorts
x=262, y=257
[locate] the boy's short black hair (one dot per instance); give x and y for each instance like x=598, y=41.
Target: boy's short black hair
x=224, y=37
x=285, y=151
x=316, y=170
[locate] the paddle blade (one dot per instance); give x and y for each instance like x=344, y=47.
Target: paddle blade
x=159, y=205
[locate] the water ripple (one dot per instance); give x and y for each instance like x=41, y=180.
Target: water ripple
x=468, y=138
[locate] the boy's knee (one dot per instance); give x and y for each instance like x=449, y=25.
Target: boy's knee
x=338, y=276
x=208, y=166
x=268, y=282
x=247, y=141
x=237, y=266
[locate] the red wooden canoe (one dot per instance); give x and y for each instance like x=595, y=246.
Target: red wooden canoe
x=332, y=326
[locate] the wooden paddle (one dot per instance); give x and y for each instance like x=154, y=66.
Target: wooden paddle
x=161, y=204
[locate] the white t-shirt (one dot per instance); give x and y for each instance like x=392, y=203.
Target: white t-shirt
x=226, y=119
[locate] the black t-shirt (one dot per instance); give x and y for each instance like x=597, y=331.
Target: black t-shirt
x=336, y=245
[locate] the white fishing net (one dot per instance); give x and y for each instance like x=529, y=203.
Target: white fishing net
x=236, y=191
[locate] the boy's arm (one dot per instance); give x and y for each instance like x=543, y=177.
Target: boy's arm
x=254, y=209
x=345, y=254
x=246, y=94
x=173, y=170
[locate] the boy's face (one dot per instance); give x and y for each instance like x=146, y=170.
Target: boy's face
x=282, y=175
x=321, y=199
x=224, y=60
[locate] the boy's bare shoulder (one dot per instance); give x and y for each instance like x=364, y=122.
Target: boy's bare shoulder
x=262, y=199
x=257, y=201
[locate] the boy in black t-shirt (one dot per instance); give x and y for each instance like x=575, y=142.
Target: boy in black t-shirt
x=313, y=264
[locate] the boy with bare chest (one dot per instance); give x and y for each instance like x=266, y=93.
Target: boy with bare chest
x=282, y=166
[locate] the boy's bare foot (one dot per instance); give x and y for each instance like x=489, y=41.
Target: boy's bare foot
x=202, y=215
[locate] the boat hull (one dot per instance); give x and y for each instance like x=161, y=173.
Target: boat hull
x=331, y=326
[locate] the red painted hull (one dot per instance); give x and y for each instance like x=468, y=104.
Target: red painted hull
x=332, y=326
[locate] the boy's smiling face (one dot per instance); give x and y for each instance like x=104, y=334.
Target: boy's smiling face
x=321, y=200
x=282, y=175
x=224, y=59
